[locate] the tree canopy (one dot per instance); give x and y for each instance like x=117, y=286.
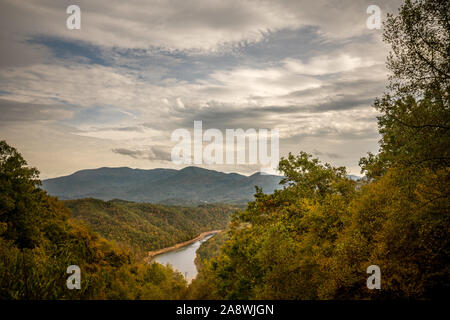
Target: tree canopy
x=315, y=238
x=39, y=240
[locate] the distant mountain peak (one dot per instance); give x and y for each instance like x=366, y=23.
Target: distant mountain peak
x=194, y=169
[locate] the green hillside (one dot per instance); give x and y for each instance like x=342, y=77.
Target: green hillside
x=144, y=227
x=211, y=248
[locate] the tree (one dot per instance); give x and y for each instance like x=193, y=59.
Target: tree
x=19, y=198
x=415, y=133
x=401, y=220
x=420, y=47
x=415, y=112
x=39, y=240
x=280, y=246
x=315, y=238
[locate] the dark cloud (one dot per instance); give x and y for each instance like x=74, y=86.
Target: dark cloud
x=19, y=111
x=224, y=117
x=136, y=154
x=72, y=49
x=160, y=153
x=153, y=153
x=329, y=134
x=330, y=155
x=345, y=103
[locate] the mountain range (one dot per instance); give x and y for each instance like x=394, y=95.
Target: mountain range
x=191, y=185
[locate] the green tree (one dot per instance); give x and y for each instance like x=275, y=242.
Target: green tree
x=280, y=246
x=39, y=240
x=19, y=198
x=315, y=238
x=415, y=112
x=419, y=37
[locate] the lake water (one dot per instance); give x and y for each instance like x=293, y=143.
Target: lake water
x=182, y=259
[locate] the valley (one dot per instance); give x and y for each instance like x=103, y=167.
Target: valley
x=145, y=227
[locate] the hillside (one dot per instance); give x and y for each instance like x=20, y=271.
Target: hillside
x=211, y=248
x=144, y=227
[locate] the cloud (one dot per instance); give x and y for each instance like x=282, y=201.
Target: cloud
x=327, y=154
x=153, y=153
x=138, y=70
x=241, y=89
x=204, y=25
x=326, y=64
x=18, y=111
x=136, y=154
x=159, y=153
x=194, y=25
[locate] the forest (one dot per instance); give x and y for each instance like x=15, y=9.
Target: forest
x=144, y=227
x=312, y=239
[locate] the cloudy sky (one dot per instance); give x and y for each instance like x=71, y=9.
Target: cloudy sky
x=111, y=93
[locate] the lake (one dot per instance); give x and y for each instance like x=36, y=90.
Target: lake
x=182, y=259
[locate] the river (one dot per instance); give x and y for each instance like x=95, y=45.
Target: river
x=182, y=259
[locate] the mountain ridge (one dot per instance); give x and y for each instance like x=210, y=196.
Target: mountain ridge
x=160, y=185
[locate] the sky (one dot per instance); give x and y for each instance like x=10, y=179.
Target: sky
x=111, y=93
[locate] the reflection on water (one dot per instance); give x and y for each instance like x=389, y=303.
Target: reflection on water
x=183, y=258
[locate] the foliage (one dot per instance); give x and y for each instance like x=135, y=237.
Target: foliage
x=419, y=37
x=415, y=112
x=315, y=238
x=210, y=249
x=146, y=227
x=39, y=240
x=281, y=245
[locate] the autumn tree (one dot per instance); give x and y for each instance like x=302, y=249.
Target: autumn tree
x=315, y=238
x=39, y=240
x=415, y=111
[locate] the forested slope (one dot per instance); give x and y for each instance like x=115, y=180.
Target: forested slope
x=211, y=248
x=146, y=227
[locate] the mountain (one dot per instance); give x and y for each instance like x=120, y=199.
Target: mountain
x=191, y=185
